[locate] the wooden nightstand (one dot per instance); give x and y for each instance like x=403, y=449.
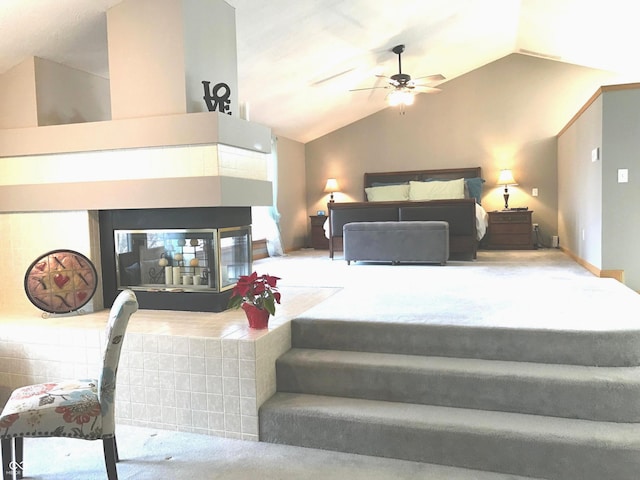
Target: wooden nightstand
x=318, y=239
x=510, y=230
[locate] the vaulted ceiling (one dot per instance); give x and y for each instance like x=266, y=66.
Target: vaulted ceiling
x=298, y=59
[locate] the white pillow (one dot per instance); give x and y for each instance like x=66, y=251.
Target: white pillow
x=436, y=190
x=387, y=193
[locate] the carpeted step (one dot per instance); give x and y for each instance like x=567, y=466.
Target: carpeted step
x=591, y=393
x=607, y=348
x=529, y=445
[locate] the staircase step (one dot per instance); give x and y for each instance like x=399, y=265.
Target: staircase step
x=511, y=443
x=605, y=348
x=613, y=393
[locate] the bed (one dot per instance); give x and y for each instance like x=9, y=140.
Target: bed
x=451, y=195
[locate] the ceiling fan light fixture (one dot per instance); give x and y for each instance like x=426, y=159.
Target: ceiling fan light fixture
x=400, y=97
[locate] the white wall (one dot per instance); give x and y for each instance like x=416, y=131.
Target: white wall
x=67, y=95
x=27, y=236
x=580, y=186
x=18, y=107
x=621, y=217
x=292, y=194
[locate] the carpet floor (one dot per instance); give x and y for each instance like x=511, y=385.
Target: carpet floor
x=148, y=454
x=499, y=288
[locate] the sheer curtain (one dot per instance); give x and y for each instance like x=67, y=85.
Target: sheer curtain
x=267, y=219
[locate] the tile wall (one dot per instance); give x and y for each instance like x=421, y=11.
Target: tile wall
x=211, y=385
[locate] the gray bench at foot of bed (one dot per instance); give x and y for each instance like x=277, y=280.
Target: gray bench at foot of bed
x=395, y=242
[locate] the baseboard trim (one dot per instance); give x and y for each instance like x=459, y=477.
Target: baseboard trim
x=615, y=274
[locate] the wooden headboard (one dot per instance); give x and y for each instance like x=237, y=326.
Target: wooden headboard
x=420, y=175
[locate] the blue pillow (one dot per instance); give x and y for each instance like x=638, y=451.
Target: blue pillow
x=475, y=188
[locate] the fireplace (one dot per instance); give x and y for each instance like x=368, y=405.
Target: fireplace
x=175, y=258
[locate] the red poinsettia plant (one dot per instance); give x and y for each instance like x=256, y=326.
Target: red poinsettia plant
x=261, y=291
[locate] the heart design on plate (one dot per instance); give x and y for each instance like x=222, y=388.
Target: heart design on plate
x=82, y=296
x=60, y=280
x=41, y=266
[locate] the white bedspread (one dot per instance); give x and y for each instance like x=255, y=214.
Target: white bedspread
x=482, y=222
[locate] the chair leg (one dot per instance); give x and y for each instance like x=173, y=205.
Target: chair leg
x=19, y=454
x=7, y=444
x=110, y=457
x=115, y=449
x=12, y=469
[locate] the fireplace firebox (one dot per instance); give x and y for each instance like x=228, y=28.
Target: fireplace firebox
x=175, y=259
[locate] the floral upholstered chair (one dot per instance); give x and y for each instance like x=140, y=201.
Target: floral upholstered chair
x=76, y=409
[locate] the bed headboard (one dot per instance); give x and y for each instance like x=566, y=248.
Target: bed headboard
x=371, y=179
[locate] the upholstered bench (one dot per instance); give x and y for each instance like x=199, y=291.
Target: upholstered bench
x=408, y=241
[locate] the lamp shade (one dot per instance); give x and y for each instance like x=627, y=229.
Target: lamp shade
x=331, y=186
x=506, y=178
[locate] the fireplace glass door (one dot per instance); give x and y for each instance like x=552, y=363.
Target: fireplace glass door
x=182, y=260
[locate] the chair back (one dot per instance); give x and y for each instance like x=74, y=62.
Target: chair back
x=123, y=307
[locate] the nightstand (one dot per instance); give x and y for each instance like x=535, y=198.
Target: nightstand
x=318, y=239
x=510, y=230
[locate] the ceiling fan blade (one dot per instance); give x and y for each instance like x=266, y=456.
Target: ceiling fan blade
x=430, y=78
x=331, y=77
x=425, y=89
x=367, y=88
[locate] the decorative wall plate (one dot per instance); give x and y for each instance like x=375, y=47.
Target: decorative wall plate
x=61, y=281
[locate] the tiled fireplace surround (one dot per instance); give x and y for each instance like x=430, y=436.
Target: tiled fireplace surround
x=188, y=371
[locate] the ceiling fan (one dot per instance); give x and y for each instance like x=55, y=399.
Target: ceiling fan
x=403, y=86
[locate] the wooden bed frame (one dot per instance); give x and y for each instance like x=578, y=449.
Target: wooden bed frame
x=459, y=213
x=420, y=175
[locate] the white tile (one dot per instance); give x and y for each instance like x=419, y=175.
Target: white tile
x=248, y=388
x=198, y=401
x=231, y=386
x=151, y=379
x=198, y=383
x=249, y=424
x=136, y=376
x=247, y=350
x=183, y=382
x=196, y=347
x=183, y=400
x=213, y=366
x=152, y=396
x=216, y=421
x=230, y=368
x=232, y=423
x=181, y=364
x=200, y=419
x=165, y=344
x=213, y=348
x=150, y=343
x=231, y=404
x=183, y=418
x=169, y=415
x=214, y=384
x=197, y=365
x=247, y=369
x=181, y=345
x=229, y=348
x=150, y=361
x=215, y=403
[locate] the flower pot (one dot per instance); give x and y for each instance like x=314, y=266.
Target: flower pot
x=257, y=317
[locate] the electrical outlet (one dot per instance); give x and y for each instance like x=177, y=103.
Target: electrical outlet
x=534, y=192
x=535, y=226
